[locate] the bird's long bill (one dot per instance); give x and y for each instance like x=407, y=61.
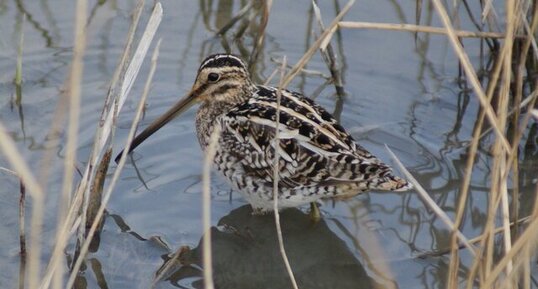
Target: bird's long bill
x=174, y=111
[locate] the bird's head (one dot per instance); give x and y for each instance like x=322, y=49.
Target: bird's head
x=222, y=79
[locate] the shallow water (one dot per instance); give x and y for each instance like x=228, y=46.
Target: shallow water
x=401, y=91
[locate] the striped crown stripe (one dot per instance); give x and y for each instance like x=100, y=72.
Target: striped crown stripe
x=216, y=57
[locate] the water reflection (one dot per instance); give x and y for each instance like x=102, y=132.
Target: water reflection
x=246, y=255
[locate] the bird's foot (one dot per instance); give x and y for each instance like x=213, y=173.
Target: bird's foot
x=314, y=214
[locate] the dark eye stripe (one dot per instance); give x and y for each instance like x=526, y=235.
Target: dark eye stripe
x=225, y=87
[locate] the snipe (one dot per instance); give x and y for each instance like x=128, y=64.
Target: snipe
x=318, y=158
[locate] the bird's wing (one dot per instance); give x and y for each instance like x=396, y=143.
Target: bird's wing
x=313, y=148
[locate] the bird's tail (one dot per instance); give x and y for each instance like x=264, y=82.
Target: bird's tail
x=391, y=183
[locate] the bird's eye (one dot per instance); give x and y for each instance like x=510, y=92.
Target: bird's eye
x=213, y=77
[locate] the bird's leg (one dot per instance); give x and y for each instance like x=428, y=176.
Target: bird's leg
x=315, y=215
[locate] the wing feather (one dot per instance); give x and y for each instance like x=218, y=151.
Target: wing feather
x=314, y=149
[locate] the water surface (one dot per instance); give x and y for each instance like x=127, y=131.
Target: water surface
x=402, y=90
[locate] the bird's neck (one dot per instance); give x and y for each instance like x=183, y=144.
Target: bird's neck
x=209, y=116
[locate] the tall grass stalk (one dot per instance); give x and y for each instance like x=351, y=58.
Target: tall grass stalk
x=276, y=179
x=73, y=93
x=207, y=260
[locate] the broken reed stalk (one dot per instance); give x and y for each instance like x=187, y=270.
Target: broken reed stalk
x=103, y=132
x=96, y=191
x=276, y=171
x=115, y=177
x=94, y=196
x=329, y=57
x=106, y=130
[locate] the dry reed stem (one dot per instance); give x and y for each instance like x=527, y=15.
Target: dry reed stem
x=470, y=73
x=44, y=169
x=73, y=92
x=325, y=36
x=419, y=28
x=431, y=203
x=501, y=156
x=22, y=196
x=276, y=145
x=84, y=248
x=207, y=260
